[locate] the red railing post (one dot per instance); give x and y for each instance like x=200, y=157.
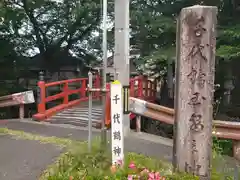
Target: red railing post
x=132, y=88
x=97, y=85
x=153, y=90
x=108, y=107
x=155, y=83
x=140, y=87
x=41, y=97
x=145, y=87
x=144, y=82
x=150, y=90
x=65, y=90
x=94, y=85
x=83, y=89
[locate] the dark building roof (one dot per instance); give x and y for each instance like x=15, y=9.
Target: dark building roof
x=110, y=60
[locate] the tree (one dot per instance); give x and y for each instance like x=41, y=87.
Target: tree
x=153, y=29
x=51, y=29
x=153, y=34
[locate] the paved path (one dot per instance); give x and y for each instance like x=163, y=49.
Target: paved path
x=30, y=152
x=24, y=159
x=140, y=143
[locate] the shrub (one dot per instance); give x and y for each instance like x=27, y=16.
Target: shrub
x=79, y=164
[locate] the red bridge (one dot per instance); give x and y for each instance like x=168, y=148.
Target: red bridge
x=75, y=111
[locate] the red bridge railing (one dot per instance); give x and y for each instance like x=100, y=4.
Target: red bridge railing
x=140, y=87
x=143, y=88
x=44, y=113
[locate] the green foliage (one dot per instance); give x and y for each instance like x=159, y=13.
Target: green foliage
x=43, y=34
x=77, y=163
x=154, y=65
x=50, y=27
x=228, y=52
x=229, y=35
x=222, y=146
x=54, y=27
x=228, y=42
x=153, y=29
x=153, y=35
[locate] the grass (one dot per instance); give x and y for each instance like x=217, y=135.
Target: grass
x=76, y=163
x=52, y=140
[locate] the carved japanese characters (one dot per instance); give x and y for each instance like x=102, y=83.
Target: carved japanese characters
x=117, y=122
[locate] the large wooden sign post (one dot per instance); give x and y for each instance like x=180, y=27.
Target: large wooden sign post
x=117, y=123
x=194, y=90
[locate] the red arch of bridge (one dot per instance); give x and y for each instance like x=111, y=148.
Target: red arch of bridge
x=140, y=87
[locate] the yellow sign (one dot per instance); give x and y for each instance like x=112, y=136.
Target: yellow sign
x=116, y=82
x=125, y=96
x=125, y=99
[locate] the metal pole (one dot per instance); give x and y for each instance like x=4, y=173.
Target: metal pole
x=90, y=78
x=104, y=49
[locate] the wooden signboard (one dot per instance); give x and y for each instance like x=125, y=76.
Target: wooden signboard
x=117, y=123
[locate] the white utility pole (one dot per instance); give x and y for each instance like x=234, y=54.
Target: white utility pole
x=121, y=50
x=104, y=68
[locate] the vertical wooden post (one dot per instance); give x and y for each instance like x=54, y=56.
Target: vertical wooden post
x=21, y=111
x=194, y=91
x=138, y=123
